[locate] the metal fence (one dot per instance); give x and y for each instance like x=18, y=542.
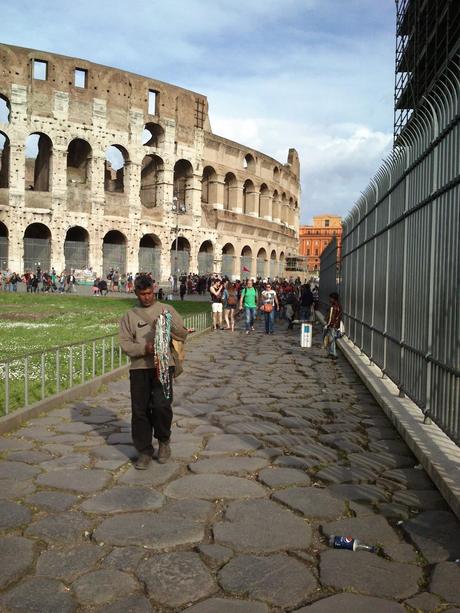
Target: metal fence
x=328, y=279
x=30, y=378
x=401, y=261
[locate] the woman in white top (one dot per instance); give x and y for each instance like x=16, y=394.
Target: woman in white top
x=269, y=302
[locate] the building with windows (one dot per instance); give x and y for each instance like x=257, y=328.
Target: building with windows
x=101, y=169
x=314, y=239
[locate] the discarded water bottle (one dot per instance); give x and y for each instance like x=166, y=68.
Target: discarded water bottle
x=347, y=542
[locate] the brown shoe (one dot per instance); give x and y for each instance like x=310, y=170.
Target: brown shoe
x=143, y=461
x=164, y=452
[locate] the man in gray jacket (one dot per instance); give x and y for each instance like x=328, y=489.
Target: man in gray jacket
x=151, y=407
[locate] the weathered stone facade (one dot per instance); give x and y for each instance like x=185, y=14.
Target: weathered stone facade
x=103, y=168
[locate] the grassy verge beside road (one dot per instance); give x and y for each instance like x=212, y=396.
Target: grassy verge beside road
x=32, y=324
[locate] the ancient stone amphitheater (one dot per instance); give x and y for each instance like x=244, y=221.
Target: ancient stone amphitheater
x=101, y=169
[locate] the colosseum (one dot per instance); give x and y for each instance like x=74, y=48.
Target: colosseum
x=101, y=169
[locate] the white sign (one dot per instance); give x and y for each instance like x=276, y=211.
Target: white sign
x=306, y=334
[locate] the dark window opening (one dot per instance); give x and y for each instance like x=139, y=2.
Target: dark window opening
x=326, y=223
x=40, y=70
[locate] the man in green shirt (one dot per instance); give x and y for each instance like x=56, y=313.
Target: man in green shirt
x=248, y=302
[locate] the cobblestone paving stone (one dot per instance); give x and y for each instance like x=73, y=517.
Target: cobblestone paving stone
x=275, y=448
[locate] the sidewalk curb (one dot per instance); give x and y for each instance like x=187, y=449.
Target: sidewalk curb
x=436, y=452
x=16, y=418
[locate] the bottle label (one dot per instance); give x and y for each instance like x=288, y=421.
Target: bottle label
x=343, y=542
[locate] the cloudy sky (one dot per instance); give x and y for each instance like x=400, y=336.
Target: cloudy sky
x=317, y=75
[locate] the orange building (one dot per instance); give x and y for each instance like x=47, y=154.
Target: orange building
x=314, y=239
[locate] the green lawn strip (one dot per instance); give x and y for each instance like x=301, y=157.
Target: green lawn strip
x=46, y=322
x=34, y=322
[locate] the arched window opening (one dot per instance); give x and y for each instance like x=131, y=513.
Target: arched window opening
x=248, y=196
x=76, y=249
x=153, y=135
x=39, y=151
x=208, y=186
x=246, y=262
x=273, y=265
x=4, y=160
x=261, y=263
x=249, y=163
x=206, y=258
x=5, y=109
x=150, y=255
x=264, y=202
x=183, y=182
x=230, y=194
x=3, y=246
x=180, y=257
x=276, y=173
x=282, y=264
x=151, y=181
x=37, y=248
x=115, y=166
x=228, y=261
x=114, y=252
x=78, y=162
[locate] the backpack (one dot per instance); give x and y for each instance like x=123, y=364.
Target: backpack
x=232, y=299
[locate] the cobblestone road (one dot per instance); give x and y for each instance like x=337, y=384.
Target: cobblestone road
x=274, y=449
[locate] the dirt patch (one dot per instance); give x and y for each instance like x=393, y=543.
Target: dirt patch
x=18, y=316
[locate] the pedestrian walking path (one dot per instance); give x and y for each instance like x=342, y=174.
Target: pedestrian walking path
x=275, y=449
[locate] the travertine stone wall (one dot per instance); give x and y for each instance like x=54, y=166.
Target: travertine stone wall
x=234, y=197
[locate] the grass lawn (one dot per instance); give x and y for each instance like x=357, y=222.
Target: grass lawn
x=33, y=322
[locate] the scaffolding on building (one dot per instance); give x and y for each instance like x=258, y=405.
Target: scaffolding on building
x=427, y=40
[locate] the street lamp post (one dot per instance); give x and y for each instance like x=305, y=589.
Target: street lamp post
x=179, y=209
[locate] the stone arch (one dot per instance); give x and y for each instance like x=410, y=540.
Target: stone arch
x=79, y=155
x=249, y=163
x=276, y=173
x=76, y=248
x=4, y=245
x=246, y=262
x=209, y=186
x=5, y=109
x=150, y=255
x=153, y=135
x=282, y=264
x=264, y=202
x=261, y=263
x=230, y=192
x=180, y=256
x=284, y=208
x=114, y=246
x=228, y=260
x=115, y=165
x=249, y=197
x=4, y=160
x=183, y=183
x=37, y=247
x=206, y=258
x=276, y=206
x=152, y=181
x=273, y=265
x=39, y=153
x=290, y=219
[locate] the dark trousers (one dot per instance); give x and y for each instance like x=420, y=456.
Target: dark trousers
x=151, y=410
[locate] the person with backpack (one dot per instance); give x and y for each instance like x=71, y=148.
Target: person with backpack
x=269, y=301
x=248, y=302
x=230, y=298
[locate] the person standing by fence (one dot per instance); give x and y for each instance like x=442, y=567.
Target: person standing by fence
x=146, y=333
x=332, y=327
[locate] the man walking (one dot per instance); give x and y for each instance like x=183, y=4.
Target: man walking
x=248, y=301
x=146, y=333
